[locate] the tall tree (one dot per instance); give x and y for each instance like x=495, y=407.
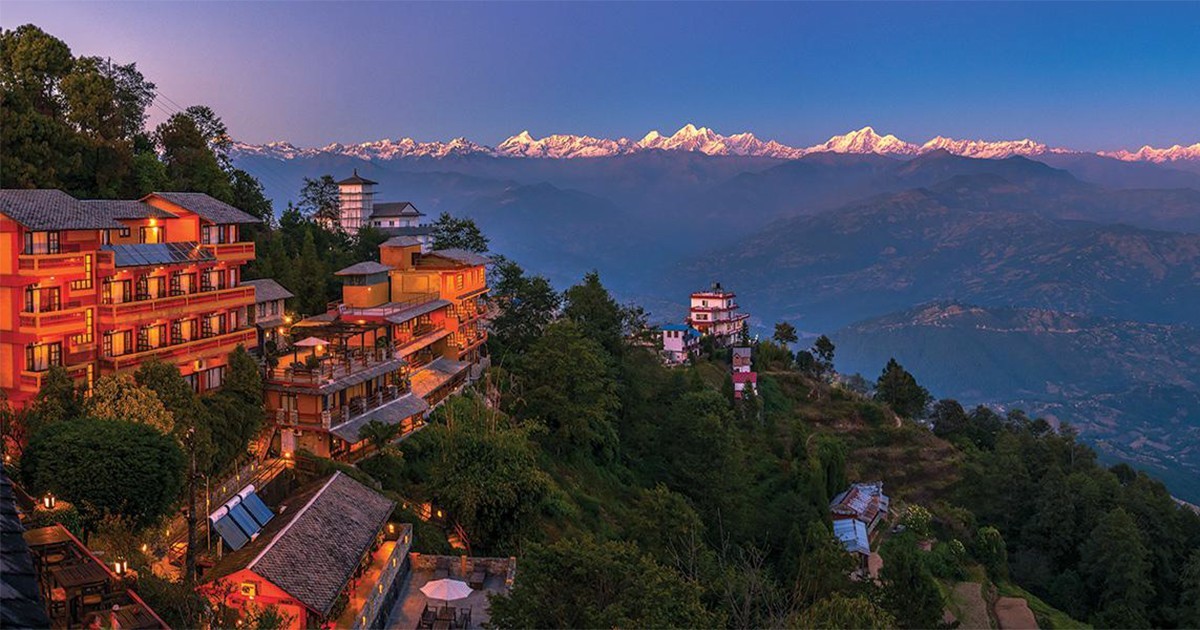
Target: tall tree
x=900, y=391
x=452, y=233
x=527, y=305
x=319, y=199
x=909, y=589
x=568, y=387
x=593, y=309
x=38, y=147
x=823, y=352
x=785, y=333
x=106, y=467
x=590, y=584
x=119, y=397
x=191, y=164
x=1115, y=565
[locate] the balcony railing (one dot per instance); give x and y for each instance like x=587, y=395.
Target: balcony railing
x=385, y=310
x=175, y=306
x=360, y=405
x=32, y=381
x=241, y=251
x=39, y=264
x=335, y=364
x=215, y=345
x=70, y=319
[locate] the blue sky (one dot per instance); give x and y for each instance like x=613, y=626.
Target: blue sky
x=1088, y=76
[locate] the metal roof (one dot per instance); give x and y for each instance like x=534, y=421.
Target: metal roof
x=48, y=209
x=142, y=254
x=392, y=413
x=863, y=501
x=400, y=317
x=853, y=535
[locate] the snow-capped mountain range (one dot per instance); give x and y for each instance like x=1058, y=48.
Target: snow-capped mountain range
x=696, y=139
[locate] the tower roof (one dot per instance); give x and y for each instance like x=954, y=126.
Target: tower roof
x=356, y=179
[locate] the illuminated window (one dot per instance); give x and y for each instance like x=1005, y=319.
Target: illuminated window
x=41, y=243
x=152, y=234
x=40, y=357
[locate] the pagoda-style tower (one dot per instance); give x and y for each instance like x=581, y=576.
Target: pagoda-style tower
x=356, y=200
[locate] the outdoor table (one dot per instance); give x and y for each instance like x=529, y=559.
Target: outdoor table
x=77, y=576
x=441, y=624
x=446, y=613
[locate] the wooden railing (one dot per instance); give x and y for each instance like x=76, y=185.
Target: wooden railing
x=175, y=306
x=231, y=251
x=195, y=349
x=334, y=364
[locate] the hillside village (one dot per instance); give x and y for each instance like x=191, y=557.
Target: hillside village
x=349, y=416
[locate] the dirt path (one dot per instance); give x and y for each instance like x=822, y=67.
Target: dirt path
x=973, y=610
x=1013, y=614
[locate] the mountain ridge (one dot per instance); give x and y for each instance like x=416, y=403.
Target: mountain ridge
x=702, y=140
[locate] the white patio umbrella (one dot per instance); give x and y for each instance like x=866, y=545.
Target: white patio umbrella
x=446, y=589
x=311, y=342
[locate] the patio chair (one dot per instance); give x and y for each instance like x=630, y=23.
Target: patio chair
x=428, y=617
x=464, y=617
x=478, y=577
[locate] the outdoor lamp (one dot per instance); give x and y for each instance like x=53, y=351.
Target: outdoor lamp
x=49, y=501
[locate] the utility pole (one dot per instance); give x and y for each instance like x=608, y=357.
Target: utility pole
x=190, y=557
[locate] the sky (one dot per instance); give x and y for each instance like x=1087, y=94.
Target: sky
x=1084, y=76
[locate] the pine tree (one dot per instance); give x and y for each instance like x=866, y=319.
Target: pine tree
x=900, y=391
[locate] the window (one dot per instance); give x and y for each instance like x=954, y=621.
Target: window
x=288, y=402
x=152, y=234
x=193, y=381
x=81, y=285
x=41, y=243
x=183, y=283
x=275, y=307
x=118, y=343
x=458, y=281
x=212, y=280
x=42, y=300
x=151, y=337
x=116, y=291
x=262, y=310
x=39, y=358
x=214, y=377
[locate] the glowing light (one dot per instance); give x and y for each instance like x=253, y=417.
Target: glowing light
x=49, y=501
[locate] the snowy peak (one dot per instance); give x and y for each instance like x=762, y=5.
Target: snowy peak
x=865, y=140
x=690, y=138
x=1150, y=154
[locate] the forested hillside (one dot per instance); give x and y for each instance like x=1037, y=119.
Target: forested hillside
x=640, y=495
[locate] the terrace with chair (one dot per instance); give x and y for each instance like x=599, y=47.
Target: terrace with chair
x=478, y=577
x=78, y=588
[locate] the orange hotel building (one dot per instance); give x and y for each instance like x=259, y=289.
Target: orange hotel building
x=101, y=286
x=407, y=332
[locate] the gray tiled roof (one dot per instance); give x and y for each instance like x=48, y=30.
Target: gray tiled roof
x=267, y=290
x=20, y=598
x=395, y=209
x=214, y=210
x=392, y=413
x=400, y=241
x=408, y=230
x=127, y=209
x=314, y=544
x=363, y=268
x=47, y=209
x=461, y=256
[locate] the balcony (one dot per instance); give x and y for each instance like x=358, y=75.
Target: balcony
x=214, y=346
x=177, y=306
x=390, y=309
x=335, y=365
x=47, y=265
x=360, y=405
x=232, y=252
x=61, y=322
x=421, y=337
x=32, y=381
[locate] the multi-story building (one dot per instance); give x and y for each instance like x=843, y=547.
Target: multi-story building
x=680, y=342
x=269, y=313
x=356, y=198
x=714, y=313
x=406, y=333
x=744, y=378
x=102, y=286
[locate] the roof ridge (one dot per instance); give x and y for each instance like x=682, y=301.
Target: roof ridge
x=295, y=518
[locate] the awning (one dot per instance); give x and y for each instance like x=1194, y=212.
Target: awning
x=392, y=413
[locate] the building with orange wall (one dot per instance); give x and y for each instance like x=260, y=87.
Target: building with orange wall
x=103, y=286
x=329, y=558
x=407, y=332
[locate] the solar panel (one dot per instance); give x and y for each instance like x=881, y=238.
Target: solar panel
x=257, y=508
x=243, y=519
x=143, y=254
x=231, y=533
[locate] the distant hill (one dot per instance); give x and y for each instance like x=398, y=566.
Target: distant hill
x=1132, y=388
